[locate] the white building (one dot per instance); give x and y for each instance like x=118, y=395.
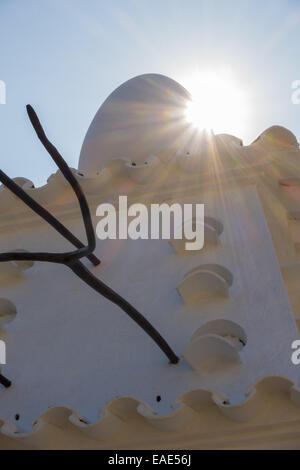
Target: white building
x=229, y=310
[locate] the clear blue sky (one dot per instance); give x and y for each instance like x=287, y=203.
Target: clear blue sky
x=65, y=56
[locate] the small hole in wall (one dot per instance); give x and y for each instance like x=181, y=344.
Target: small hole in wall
x=17, y=417
x=158, y=398
x=84, y=421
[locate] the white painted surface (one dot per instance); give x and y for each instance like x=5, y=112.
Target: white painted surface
x=68, y=346
x=142, y=116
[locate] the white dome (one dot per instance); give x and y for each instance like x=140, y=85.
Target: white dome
x=142, y=116
x=278, y=136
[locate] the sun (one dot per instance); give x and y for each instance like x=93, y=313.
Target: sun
x=218, y=103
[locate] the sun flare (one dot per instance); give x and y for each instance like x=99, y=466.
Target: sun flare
x=218, y=103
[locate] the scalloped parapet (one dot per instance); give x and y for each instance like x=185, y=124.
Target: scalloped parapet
x=233, y=160
x=177, y=419
x=201, y=417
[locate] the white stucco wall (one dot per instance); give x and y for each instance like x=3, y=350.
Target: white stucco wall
x=69, y=346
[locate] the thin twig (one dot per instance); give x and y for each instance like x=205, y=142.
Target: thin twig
x=71, y=259
x=4, y=381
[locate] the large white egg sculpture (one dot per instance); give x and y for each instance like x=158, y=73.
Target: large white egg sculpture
x=144, y=115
